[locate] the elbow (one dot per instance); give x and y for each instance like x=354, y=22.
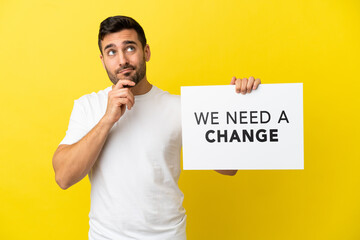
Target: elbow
x=231, y=172
x=61, y=182
x=60, y=178
x=227, y=172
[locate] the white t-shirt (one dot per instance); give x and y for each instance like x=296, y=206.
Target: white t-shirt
x=134, y=182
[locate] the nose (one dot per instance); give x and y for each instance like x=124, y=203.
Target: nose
x=123, y=59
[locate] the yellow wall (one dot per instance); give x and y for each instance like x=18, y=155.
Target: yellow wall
x=49, y=57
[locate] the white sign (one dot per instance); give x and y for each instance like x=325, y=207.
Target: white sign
x=222, y=129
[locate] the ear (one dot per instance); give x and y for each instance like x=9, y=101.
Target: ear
x=147, y=52
x=102, y=61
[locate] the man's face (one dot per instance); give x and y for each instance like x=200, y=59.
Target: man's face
x=124, y=57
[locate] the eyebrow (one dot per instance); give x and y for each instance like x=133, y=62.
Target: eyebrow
x=128, y=42
x=123, y=43
x=109, y=46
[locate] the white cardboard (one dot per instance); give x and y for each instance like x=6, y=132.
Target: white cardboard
x=285, y=153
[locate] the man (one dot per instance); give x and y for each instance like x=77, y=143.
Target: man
x=127, y=138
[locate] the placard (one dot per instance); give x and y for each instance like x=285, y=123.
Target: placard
x=222, y=129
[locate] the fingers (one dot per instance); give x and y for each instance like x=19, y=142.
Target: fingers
x=256, y=83
x=125, y=101
x=122, y=83
x=244, y=82
x=241, y=85
x=238, y=85
x=250, y=84
x=123, y=93
x=119, y=102
x=233, y=79
x=119, y=98
x=122, y=96
x=245, y=85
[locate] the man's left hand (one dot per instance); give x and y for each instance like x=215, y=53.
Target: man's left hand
x=244, y=85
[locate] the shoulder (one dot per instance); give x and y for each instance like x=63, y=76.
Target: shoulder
x=94, y=99
x=92, y=106
x=166, y=97
x=168, y=106
x=168, y=110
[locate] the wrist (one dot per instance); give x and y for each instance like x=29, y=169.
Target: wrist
x=106, y=123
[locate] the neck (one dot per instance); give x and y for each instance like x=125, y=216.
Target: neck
x=142, y=87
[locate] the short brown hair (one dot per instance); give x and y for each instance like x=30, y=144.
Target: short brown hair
x=118, y=23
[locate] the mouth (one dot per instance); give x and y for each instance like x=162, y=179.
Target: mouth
x=126, y=70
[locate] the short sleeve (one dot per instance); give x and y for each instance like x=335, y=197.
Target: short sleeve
x=78, y=126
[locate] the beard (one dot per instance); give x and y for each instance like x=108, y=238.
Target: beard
x=136, y=75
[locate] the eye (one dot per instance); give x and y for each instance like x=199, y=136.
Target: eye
x=111, y=52
x=130, y=49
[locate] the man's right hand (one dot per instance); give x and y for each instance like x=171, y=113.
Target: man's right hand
x=73, y=162
x=118, y=98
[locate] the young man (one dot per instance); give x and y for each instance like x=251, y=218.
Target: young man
x=127, y=138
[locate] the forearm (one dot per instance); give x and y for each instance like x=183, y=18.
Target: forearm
x=73, y=162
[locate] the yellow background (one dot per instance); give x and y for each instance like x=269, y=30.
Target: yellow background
x=49, y=57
